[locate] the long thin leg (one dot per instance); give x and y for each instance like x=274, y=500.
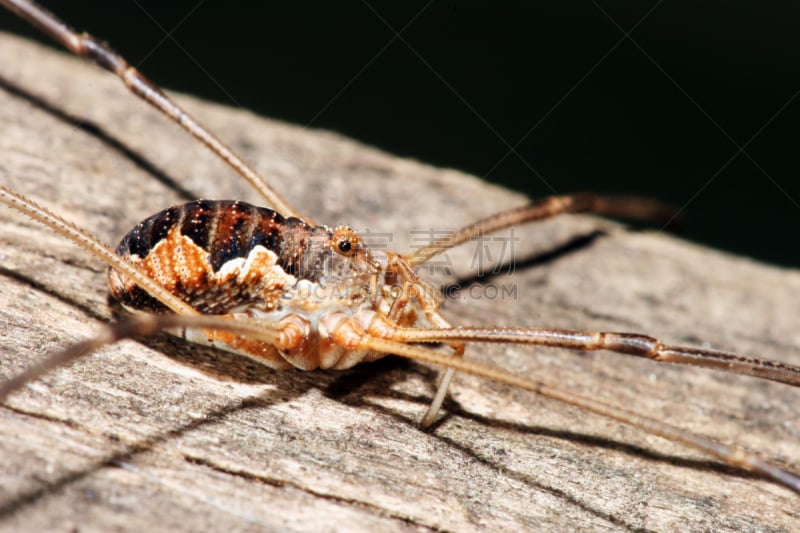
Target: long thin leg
x=90, y=243
x=445, y=379
x=430, y=307
x=626, y=343
x=144, y=325
x=350, y=334
x=87, y=46
x=618, y=206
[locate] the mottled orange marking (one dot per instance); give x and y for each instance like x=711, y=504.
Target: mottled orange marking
x=255, y=349
x=183, y=268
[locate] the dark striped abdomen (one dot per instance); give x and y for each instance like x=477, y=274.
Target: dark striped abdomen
x=203, y=252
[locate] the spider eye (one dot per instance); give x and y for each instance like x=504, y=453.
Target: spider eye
x=345, y=246
x=345, y=241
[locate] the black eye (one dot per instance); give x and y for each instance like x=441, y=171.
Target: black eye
x=345, y=246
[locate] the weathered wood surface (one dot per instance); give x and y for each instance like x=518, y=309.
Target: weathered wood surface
x=158, y=434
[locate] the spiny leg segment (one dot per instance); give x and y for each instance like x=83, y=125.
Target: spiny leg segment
x=624, y=343
x=635, y=207
x=646, y=209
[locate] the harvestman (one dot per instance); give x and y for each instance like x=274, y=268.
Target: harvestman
x=289, y=293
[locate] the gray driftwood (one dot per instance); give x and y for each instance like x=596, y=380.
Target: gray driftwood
x=158, y=434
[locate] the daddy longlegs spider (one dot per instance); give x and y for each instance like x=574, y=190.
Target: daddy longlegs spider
x=787, y=373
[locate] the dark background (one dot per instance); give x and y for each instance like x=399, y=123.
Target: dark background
x=583, y=107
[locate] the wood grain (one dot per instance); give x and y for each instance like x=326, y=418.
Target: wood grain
x=159, y=434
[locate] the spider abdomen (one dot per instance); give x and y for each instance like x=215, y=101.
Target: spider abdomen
x=215, y=255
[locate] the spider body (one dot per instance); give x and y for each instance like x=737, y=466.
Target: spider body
x=233, y=258
x=492, y=463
